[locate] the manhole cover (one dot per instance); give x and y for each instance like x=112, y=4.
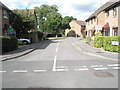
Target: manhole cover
x=103, y=74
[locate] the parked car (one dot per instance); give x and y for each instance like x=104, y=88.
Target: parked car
x=24, y=41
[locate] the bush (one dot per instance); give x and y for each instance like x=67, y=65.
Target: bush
x=9, y=43
x=106, y=43
x=98, y=41
x=98, y=34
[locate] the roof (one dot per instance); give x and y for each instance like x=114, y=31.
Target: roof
x=25, y=11
x=103, y=7
x=3, y=6
x=79, y=22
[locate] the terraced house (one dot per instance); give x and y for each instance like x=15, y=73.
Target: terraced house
x=105, y=20
x=4, y=17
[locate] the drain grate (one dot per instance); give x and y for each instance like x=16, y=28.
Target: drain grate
x=103, y=74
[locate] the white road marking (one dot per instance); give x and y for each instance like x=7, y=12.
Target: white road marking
x=40, y=70
x=81, y=69
x=54, y=63
x=97, y=66
x=116, y=67
x=112, y=65
x=20, y=71
x=56, y=49
x=2, y=71
x=61, y=69
x=104, y=68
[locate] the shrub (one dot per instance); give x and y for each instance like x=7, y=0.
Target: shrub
x=98, y=41
x=9, y=43
x=98, y=34
x=106, y=43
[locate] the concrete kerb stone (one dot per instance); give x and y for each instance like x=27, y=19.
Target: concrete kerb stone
x=23, y=53
x=83, y=51
x=16, y=56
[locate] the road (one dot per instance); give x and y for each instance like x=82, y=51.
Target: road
x=59, y=64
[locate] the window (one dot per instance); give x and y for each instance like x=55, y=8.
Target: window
x=5, y=14
x=83, y=27
x=115, y=31
x=107, y=14
x=106, y=32
x=92, y=21
x=114, y=11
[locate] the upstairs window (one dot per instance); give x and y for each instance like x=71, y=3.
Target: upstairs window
x=114, y=11
x=5, y=14
x=92, y=21
x=107, y=14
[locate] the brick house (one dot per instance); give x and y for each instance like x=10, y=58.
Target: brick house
x=105, y=20
x=4, y=18
x=76, y=28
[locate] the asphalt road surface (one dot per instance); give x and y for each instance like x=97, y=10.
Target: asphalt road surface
x=59, y=64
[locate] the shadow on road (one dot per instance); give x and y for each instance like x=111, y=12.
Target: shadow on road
x=31, y=47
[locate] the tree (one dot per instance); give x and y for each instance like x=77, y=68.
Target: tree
x=53, y=22
x=16, y=21
x=49, y=18
x=50, y=21
x=22, y=22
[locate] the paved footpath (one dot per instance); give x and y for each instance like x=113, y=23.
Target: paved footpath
x=22, y=50
x=98, y=52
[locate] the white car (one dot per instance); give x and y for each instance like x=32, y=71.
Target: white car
x=25, y=41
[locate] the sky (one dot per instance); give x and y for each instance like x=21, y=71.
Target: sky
x=80, y=9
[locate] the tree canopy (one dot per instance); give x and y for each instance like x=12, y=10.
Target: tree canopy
x=50, y=21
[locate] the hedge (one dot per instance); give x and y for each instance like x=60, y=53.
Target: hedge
x=9, y=43
x=106, y=43
x=98, y=41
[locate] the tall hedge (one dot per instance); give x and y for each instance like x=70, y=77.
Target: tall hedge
x=106, y=43
x=9, y=43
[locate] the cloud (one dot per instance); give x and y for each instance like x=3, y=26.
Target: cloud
x=80, y=9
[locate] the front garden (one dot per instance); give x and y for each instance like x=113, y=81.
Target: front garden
x=108, y=43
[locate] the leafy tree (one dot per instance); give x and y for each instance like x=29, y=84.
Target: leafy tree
x=22, y=22
x=16, y=21
x=49, y=18
x=51, y=21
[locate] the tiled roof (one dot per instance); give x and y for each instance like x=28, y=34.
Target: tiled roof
x=80, y=22
x=106, y=5
x=29, y=11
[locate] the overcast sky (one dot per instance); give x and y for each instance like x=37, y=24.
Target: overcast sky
x=80, y=9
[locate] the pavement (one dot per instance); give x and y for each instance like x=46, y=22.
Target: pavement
x=21, y=51
x=81, y=45
x=98, y=52
x=60, y=63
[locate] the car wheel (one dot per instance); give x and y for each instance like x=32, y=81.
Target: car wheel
x=25, y=42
